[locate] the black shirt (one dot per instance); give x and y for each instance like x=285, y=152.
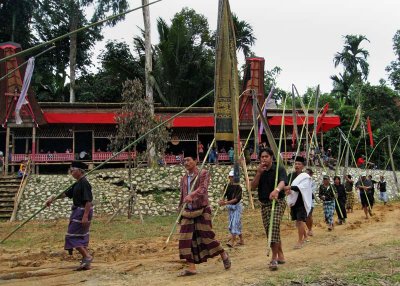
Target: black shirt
x=232, y=192
x=80, y=193
x=267, y=183
x=341, y=192
x=382, y=186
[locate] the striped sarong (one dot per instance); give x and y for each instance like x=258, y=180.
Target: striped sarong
x=266, y=208
x=350, y=200
x=197, y=240
x=77, y=235
x=329, y=210
x=235, y=218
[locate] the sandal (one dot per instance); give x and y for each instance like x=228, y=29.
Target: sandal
x=186, y=273
x=273, y=265
x=227, y=262
x=281, y=261
x=85, y=264
x=230, y=244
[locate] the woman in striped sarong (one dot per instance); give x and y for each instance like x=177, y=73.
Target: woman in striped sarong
x=233, y=203
x=197, y=241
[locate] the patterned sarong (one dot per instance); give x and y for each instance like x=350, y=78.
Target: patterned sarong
x=197, y=240
x=77, y=235
x=329, y=210
x=350, y=200
x=280, y=207
x=235, y=218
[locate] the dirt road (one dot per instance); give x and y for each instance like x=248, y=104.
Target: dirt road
x=145, y=262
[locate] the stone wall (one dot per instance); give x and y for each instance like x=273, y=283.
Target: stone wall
x=157, y=190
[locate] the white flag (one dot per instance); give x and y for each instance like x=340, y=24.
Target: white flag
x=24, y=92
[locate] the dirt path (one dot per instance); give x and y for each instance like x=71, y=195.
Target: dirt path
x=145, y=262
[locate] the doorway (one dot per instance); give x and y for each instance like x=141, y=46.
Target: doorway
x=83, y=144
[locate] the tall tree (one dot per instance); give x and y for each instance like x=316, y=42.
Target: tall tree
x=355, y=65
x=16, y=21
x=59, y=17
x=245, y=38
x=394, y=68
x=185, y=58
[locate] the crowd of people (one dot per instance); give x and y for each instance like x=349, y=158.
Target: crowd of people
x=276, y=190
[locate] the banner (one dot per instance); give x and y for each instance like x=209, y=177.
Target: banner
x=371, y=138
x=226, y=83
x=24, y=92
x=321, y=117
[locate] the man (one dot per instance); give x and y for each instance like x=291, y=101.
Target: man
x=382, y=190
x=233, y=203
x=309, y=221
x=200, y=150
x=367, y=201
x=270, y=189
x=327, y=195
x=300, y=202
x=82, y=211
x=197, y=240
x=341, y=200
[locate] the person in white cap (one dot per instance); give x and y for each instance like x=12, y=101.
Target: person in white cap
x=232, y=201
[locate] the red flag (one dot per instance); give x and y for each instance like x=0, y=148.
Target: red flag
x=371, y=138
x=321, y=117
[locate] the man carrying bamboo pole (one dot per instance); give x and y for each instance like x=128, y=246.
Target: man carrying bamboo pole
x=197, y=240
x=268, y=191
x=366, y=195
x=82, y=212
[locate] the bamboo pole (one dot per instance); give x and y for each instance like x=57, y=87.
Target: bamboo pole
x=271, y=219
x=248, y=186
x=109, y=159
x=393, y=166
x=20, y=192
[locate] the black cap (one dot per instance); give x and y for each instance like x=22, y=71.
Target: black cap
x=190, y=153
x=79, y=164
x=299, y=159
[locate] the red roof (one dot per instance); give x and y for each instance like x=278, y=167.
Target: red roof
x=328, y=122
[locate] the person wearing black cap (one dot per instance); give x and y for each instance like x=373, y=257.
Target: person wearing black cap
x=268, y=190
x=298, y=211
x=197, y=241
x=81, y=215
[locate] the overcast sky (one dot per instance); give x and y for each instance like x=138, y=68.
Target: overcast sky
x=300, y=36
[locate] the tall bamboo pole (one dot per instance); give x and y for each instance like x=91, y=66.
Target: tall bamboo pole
x=393, y=166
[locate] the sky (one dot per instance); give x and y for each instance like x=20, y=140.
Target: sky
x=299, y=36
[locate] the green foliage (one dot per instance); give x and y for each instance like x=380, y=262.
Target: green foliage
x=394, y=67
x=244, y=35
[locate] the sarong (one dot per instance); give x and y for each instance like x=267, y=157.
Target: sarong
x=197, y=240
x=350, y=200
x=280, y=206
x=77, y=235
x=364, y=201
x=235, y=218
x=383, y=196
x=329, y=210
x=341, y=213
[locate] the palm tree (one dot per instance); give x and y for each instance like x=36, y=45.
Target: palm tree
x=245, y=38
x=341, y=86
x=353, y=58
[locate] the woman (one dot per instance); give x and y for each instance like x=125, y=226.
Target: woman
x=348, y=186
x=341, y=199
x=233, y=203
x=327, y=195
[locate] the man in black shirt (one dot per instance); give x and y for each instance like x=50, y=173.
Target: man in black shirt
x=382, y=190
x=82, y=211
x=270, y=189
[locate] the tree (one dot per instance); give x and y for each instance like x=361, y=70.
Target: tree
x=354, y=61
x=394, y=68
x=135, y=119
x=16, y=22
x=55, y=18
x=184, y=66
x=245, y=38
